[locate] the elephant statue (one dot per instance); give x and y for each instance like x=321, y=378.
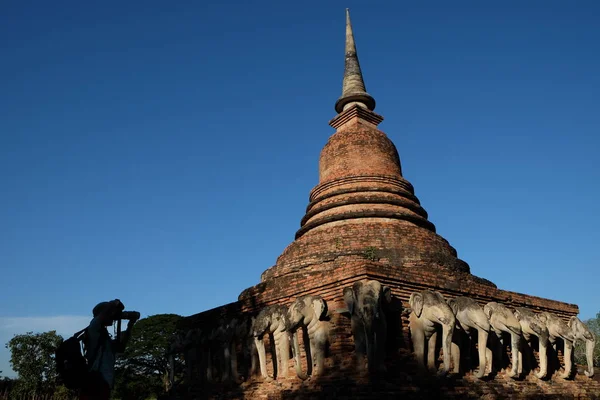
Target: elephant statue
x=228, y=335
x=365, y=300
x=210, y=357
x=250, y=352
x=503, y=320
x=429, y=312
x=534, y=324
x=176, y=347
x=558, y=329
x=582, y=332
x=469, y=315
x=273, y=320
x=192, y=352
x=306, y=313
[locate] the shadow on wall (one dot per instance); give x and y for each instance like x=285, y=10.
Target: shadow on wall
x=340, y=379
x=344, y=383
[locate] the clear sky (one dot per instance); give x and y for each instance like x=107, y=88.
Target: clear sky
x=163, y=152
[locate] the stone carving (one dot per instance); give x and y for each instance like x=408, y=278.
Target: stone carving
x=470, y=316
x=429, y=312
x=582, y=332
x=558, y=329
x=176, y=347
x=503, y=320
x=533, y=324
x=250, y=352
x=273, y=320
x=306, y=313
x=193, y=354
x=228, y=335
x=365, y=301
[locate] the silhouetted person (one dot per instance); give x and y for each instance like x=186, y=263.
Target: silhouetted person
x=101, y=350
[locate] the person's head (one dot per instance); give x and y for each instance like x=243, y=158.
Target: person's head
x=99, y=309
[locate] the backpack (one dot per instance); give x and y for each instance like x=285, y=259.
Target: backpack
x=71, y=365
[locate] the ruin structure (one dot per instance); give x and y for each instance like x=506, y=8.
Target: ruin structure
x=375, y=276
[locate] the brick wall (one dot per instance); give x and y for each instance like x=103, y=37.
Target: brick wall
x=363, y=221
x=341, y=372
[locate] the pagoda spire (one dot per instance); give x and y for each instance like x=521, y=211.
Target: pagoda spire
x=353, y=87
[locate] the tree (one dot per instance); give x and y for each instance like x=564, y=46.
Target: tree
x=144, y=367
x=32, y=358
x=579, y=351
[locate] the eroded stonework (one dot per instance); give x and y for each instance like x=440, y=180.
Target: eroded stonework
x=372, y=303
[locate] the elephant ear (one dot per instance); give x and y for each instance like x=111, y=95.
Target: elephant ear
x=387, y=294
x=453, y=306
x=320, y=307
x=416, y=303
x=487, y=310
x=349, y=299
x=579, y=328
x=518, y=315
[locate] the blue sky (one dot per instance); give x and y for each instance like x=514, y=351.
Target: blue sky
x=163, y=153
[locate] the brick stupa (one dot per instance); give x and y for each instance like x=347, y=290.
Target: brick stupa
x=362, y=204
x=363, y=221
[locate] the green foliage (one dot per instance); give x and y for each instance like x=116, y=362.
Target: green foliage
x=62, y=393
x=370, y=253
x=32, y=358
x=143, y=370
x=579, y=350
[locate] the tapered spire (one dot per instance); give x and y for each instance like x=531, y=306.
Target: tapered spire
x=353, y=87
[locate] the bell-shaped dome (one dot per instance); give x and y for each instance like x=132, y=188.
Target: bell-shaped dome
x=362, y=206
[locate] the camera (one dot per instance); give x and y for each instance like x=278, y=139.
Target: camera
x=130, y=315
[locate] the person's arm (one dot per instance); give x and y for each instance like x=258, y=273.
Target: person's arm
x=126, y=336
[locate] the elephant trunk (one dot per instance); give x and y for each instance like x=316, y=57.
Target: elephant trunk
x=543, y=353
x=262, y=356
x=296, y=355
x=371, y=344
x=447, y=331
x=589, y=354
x=514, y=349
x=282, y=349
x=225, y=363
x=568, y=358
x=234, y=365
x=209, y=371
x=482, y=337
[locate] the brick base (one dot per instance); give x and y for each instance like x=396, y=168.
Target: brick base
x=341, y=379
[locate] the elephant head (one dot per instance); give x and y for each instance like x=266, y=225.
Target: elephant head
x=503, y=320
x=306, y=313
x=581, y=331
x=177, y=344
x=535, y=324
x=470, y=315
x=306, y=310
x=365, y=301
x=192, y=348
x=558, y=329
x=429, y=311
x=272, y=320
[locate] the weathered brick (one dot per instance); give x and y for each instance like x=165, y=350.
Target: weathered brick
x=363, y=221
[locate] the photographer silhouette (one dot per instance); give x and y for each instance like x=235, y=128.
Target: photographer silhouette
x=101, y=350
